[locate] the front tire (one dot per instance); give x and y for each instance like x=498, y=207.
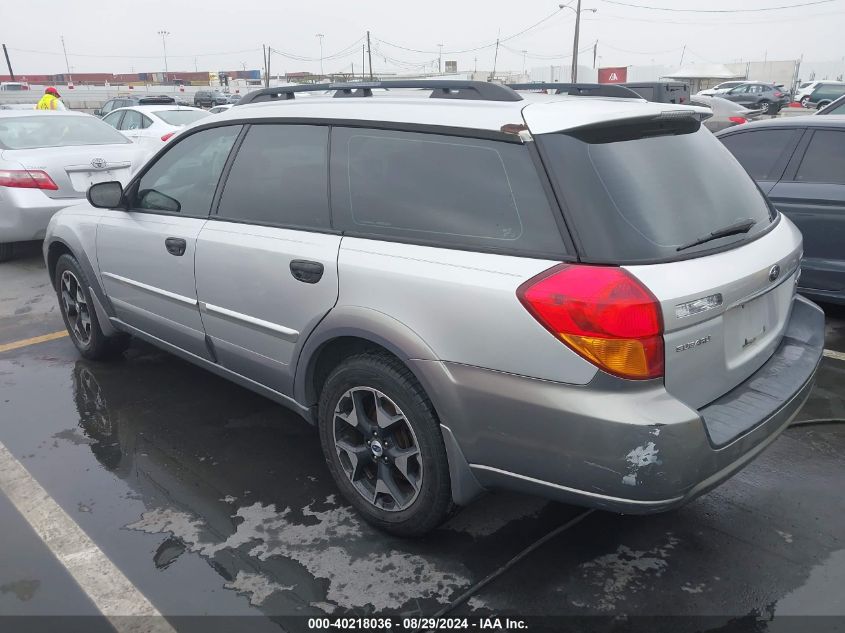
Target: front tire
x=766, y=107
x=382, y=443
x=79, y=315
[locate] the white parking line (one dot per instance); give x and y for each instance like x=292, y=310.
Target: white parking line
x=835, y=355
x=110, y=591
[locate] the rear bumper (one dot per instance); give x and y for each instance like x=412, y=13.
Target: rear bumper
x=25, y=213
x=624, y=446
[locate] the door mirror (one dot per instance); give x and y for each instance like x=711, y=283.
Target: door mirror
x=105, y=195
x=98, y=112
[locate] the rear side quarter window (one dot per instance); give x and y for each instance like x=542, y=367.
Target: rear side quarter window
x=456, y=192
x=824, y=160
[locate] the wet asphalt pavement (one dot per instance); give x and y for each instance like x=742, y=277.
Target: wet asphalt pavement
x=214, y=501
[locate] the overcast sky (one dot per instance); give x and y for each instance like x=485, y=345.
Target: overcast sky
x=121, y=36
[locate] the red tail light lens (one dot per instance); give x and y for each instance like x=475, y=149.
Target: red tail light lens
x=27, y=179
x=778, y=94
x=602, y=313
x=739, y=120
x=167, y=136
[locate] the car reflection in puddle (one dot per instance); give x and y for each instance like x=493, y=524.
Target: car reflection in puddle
x=235, y=479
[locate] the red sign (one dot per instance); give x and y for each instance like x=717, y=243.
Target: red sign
x=613, y=75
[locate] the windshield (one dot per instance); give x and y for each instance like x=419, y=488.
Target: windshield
x=180, y=117
x=638, y=198
x=55, y=130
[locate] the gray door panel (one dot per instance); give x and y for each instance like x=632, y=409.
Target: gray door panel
x=253, y=308
x=819, y=212
x=150, y=288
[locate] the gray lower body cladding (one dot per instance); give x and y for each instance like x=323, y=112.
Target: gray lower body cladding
x=625, y=446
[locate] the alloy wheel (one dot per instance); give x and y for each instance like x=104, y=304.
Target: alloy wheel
x=377, y=449
x=75, y=307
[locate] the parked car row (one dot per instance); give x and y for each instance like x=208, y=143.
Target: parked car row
x=48, y=160
x=150, y=126
x=420, y=278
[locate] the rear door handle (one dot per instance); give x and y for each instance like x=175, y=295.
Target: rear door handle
x=175, y=246
x=305, y=271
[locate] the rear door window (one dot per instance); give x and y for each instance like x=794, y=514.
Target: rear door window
x=132, y=120
x=280, y=177
x=441, y=190
x=761, y=152
x=824, y=160
x=113, y=119
x=642, y=191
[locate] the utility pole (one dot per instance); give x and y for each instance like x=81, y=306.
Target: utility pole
x=440, y=59
x=264, y=61
x=269, y=56
x=320, y=37
x=683, y=52
x=164, y=35
x=196, y=65
x=475, y=68
x=363, y=60
x=370, y=55
x=574, y=73
x=8, y=63
x=67, y=65
x=524, y=53
x=495, y=60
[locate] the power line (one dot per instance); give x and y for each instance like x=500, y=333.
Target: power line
x=757, y=10
x=477, y=48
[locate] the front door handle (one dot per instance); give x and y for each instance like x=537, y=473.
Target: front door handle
x=175, y=246
x=305, y=271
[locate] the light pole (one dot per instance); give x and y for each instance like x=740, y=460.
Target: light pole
x=67, y=63
x=320, y=37
x=440, y=58
x=574, y=73
x=164, y=35
x=524, y=53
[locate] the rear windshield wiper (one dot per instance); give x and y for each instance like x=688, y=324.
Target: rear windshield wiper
x=743, y=226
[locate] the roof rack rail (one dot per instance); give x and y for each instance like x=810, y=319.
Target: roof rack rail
x=440, y=89
x=581, y=90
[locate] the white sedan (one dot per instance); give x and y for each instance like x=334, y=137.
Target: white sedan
x=151, y=126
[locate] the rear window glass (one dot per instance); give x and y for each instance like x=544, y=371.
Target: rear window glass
x=639, y=199
x=180, y=117
x=442, y=190
x=55, y=130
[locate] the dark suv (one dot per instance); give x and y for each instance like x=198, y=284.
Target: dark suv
x=768, y=98
x=128, y=101
x=825, y=94
x=800, y=165
x=209, y=98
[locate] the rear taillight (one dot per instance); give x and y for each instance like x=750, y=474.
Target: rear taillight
x=27, y=179
x=739, y=120
x=778, y=94
x=602, y=313
x=167, y=136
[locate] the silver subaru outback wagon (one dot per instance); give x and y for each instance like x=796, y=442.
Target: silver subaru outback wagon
x=464, y=287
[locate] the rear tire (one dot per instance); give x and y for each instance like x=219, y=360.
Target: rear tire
x=7, y=249
x=79, y=315
x=805, y=101
x=382, y=443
